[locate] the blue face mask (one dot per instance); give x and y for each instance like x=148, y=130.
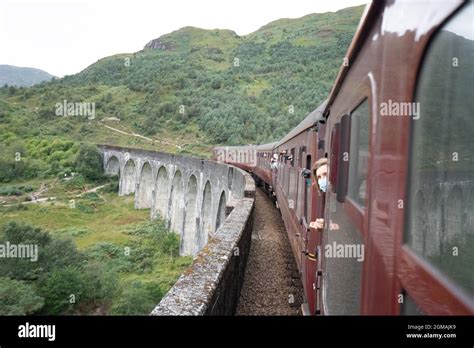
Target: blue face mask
x=323, y=184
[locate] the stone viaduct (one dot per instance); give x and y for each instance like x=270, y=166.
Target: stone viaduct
x=210, y=205
x=189, y=193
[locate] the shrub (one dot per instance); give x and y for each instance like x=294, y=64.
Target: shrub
x=92, y=196
x=112, y=255
x=168, y=242
x=102, y=282
x=137, y=298
x=74, y=231
x=84, y=208
x=16, y=207
x=112, y=187
x=15, y=190
x=18, y=298
x=78, y=182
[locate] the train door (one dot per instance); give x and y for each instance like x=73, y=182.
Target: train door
x=317, y=211
x=346, y=210
x=310, y=237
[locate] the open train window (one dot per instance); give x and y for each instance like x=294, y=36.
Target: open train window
x=440, y=213
x=335, y=153
x=301, y=150
x=344, y=136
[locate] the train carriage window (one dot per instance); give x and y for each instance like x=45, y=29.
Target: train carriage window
x=287, y=182
x=282, y=175
x=359, y=154
x=292, y=188
x=441, y=182
x=335, y=154
x=300, y=156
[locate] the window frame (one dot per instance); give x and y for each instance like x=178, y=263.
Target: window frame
x=357, y=213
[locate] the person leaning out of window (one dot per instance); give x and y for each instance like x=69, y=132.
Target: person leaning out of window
x=320, y=172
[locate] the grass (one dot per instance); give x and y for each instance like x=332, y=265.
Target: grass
x=105, y=219
x=106, y=224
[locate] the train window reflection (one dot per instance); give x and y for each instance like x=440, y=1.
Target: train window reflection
x=359, y=154
x=344, y=253
x=441, y=184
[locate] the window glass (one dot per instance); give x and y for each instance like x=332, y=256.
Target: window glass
x=287, y=183
x=344, y=248
x=293, y=185
x=441, y=183
x=359, y=154
x=344, y=253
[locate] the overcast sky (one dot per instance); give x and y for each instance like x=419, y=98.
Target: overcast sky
x=64, y=37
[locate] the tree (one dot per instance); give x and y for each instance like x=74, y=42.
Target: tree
x=52, y=253
x=63, y=290
x=12, y=90
x=89, y=162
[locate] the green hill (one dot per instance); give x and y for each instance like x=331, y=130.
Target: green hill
x=191, y=88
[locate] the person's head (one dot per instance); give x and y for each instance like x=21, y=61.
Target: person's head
x=320, y=172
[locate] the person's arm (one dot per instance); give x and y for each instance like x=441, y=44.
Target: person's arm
x=318, y=224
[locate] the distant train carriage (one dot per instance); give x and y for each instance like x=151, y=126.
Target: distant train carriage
x=244, y=157
x=263, y=170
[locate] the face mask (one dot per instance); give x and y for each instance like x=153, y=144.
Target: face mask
x=323, y=183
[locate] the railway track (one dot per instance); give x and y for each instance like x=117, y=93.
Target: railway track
x=271, y=284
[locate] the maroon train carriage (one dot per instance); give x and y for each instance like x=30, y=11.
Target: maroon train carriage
x=398, y=132
x=255, y=159
x=400, y=143
x=244, y=157
x=263, y=168
x=298, y=199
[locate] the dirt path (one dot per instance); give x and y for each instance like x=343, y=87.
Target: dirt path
x=269, y=288
x=49, y=199
x=141, y=136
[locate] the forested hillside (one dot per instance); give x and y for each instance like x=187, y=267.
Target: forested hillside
x=188, y=90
